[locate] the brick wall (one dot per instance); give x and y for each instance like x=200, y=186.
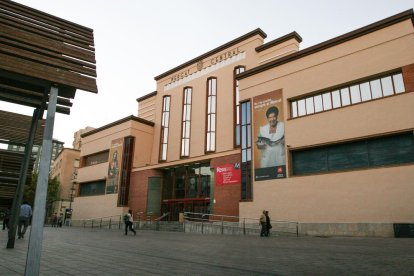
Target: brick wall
x=408, y=76
x=138, y=190
x=227, y=196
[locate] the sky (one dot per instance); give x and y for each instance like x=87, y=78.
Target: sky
x=138, y=40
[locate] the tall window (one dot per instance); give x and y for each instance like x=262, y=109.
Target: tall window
x=165, y=121
x=246, y=151
x=186, y=124
x=211, y=114
x=237, y=70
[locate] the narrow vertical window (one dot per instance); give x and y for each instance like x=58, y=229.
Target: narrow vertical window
x=186, y=123
x=211, y=115
x=237, y=70
x=165, y=121
x=246, y=151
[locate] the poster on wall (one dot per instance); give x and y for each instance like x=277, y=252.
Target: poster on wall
x=228, y=174
x=269, y=136
x=115, y=166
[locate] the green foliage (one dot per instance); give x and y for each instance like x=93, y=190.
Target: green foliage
x=53, y=189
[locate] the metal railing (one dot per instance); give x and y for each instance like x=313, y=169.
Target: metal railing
x=223, y=224
x=109, y=222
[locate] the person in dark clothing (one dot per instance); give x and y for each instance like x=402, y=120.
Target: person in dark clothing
x=268, y=225
x=262, y=222
x=6, y=219
x=129, y=220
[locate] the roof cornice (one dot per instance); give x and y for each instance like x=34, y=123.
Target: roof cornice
x=257, y=31
x=126, y=119
x=408, y=14
x=279, y=40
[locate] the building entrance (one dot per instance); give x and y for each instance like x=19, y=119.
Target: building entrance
x=186, y=189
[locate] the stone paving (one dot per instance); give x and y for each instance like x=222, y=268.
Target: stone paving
x=81, y=251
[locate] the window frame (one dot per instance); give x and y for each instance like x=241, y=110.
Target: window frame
x=237, y=112
x=164, y=129
x=184, y=121
x=336, y=99
x=209, y=131
x=246, y=167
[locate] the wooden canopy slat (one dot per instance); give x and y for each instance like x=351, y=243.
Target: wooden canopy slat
x=38, y=51
x=45, y=17
x=50, y=45
x=13, y=127
x=54, y=75
x=20, y=99
x=10, y=166
x=88, y=39
x=9, y=37
x=44, y=32
x=46, y=59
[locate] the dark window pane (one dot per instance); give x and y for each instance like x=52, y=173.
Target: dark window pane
x=347, y=156
x=309, y=161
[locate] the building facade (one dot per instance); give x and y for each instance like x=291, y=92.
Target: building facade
x=321, y=136
x=64, y=168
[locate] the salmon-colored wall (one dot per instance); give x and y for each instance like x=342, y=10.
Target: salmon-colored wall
x=225, y=106
x=96, y=207
x=366, y=195
x=374, y=195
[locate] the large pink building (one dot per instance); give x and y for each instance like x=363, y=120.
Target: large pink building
x=322, y=136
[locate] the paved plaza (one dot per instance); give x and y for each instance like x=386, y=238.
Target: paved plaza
x=80, y=251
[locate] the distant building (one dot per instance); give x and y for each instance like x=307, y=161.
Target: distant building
x=65, y=168
x=77, y=140
x=57, y=146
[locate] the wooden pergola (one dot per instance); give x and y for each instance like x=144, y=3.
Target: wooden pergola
x=14, y=131
x=44, y=59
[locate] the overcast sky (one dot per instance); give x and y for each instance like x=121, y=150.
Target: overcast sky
x=138, y=40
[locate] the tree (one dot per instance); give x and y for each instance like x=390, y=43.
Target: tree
x=53, y=189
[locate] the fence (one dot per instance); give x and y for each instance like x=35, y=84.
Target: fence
x=232, y=225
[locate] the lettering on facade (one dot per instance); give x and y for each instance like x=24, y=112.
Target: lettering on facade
x=224, y=56
x=201, y=64
x=180, y=75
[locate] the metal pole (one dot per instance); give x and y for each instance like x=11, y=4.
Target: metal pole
x=36, y=233
x=17, y=201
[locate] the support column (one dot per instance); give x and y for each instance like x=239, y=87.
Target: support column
x=36, y=232
x=18, y=197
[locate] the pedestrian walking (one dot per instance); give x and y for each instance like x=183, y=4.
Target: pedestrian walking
x=54, y=220
x=6, y=219
x=262, y=222
x=24, y=219
x=129, y=220
x=268, y=225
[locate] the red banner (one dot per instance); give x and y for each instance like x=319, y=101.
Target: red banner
x=228, y=174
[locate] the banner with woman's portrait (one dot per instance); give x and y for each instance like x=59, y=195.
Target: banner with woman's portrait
x=269, y=136
x=115, y=165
